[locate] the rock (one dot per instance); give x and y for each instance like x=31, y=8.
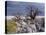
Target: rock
x=27, y=25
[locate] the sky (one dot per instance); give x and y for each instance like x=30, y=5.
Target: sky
x=23, y=8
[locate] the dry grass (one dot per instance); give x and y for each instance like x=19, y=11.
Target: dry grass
x=11, y=26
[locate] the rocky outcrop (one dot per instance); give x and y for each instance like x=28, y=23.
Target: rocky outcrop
x=27, y=25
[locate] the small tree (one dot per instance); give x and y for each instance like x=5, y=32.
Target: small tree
x=33, y=13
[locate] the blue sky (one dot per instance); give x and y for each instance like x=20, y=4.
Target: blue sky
x=15, y=8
